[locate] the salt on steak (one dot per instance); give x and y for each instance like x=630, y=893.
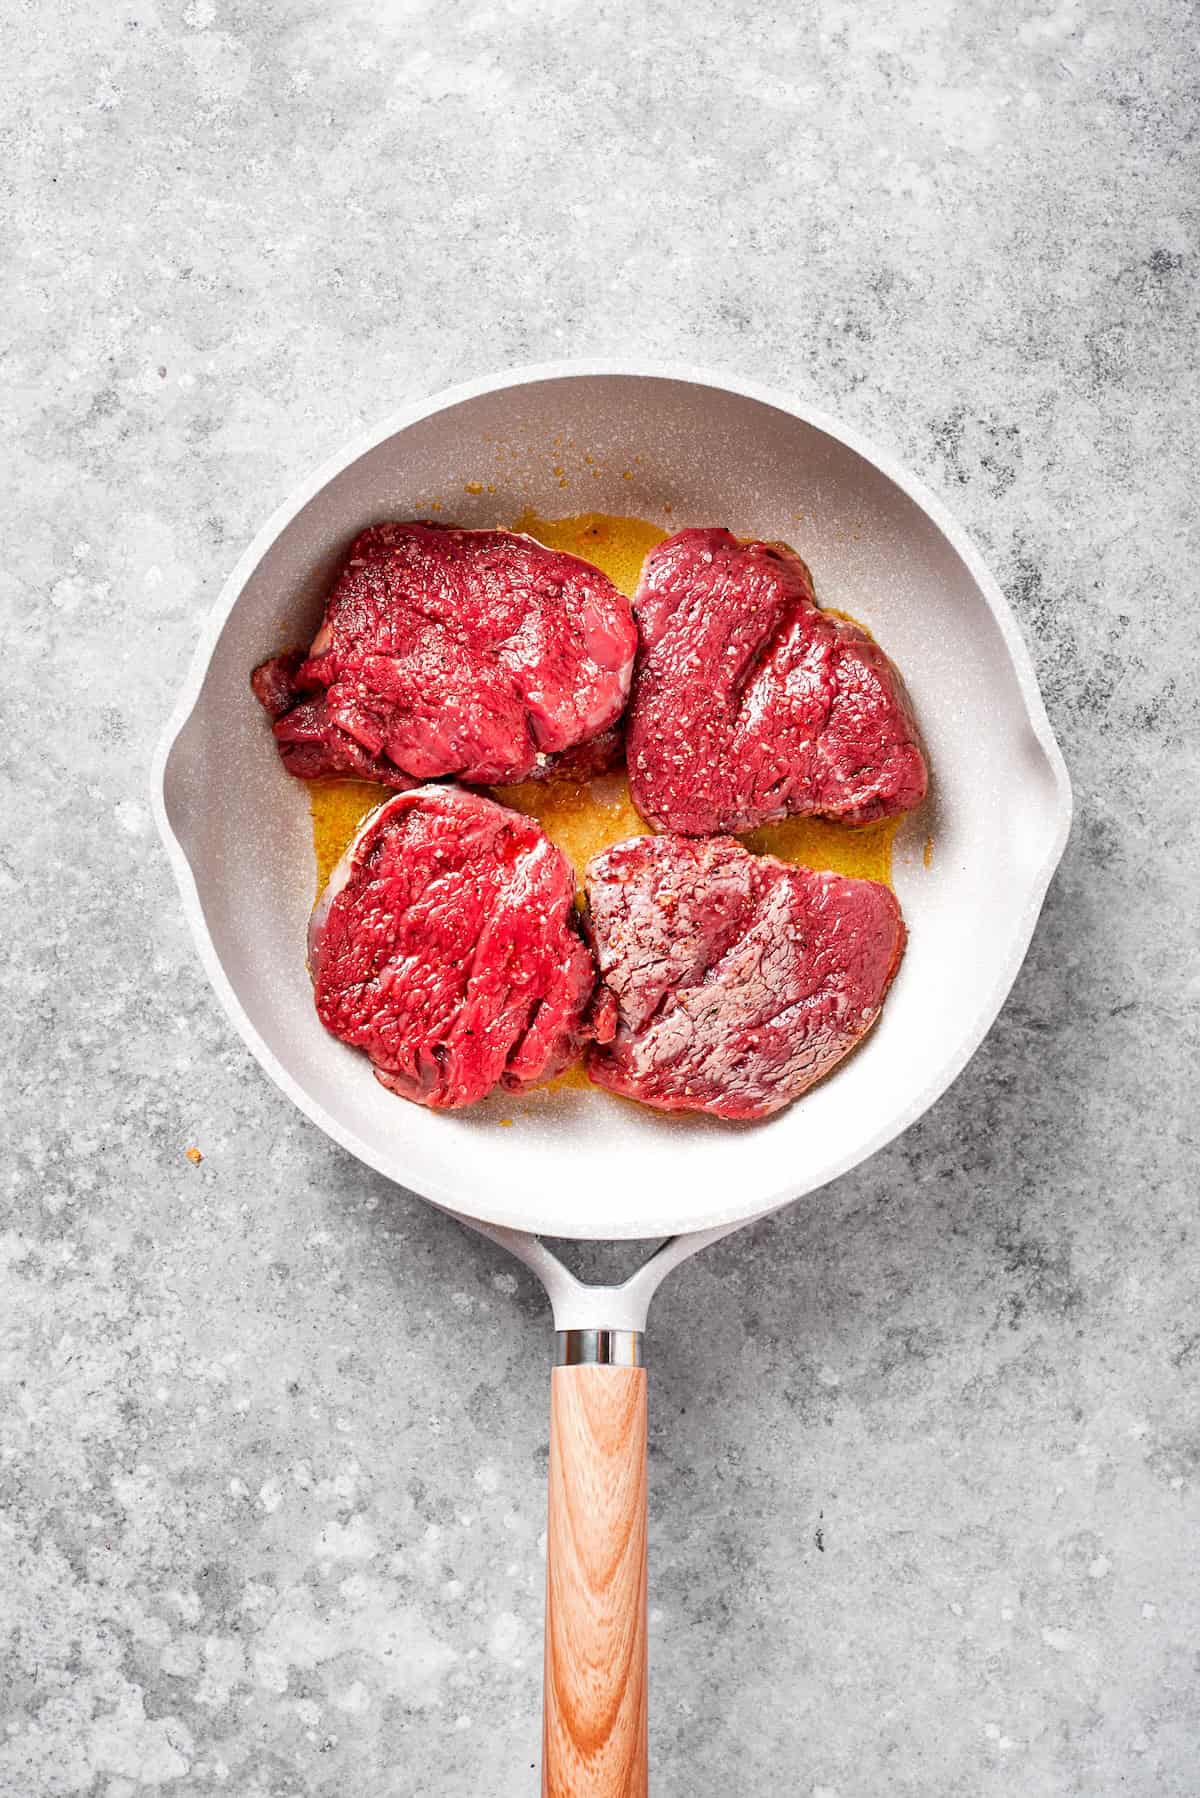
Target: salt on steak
x=478, y=654
x=446, y=946
x=750, y=703
x=738, y=980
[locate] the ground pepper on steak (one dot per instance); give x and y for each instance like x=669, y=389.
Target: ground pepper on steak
x=739, y=981
x=750, y=703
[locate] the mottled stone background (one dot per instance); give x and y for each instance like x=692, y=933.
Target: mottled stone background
x=925, y=1452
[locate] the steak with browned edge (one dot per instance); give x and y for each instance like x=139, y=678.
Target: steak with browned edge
x=446, y=946
x=739, y=981
x=478, y=654
x=750, y=703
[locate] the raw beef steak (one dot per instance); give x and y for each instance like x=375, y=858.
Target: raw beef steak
x=739, y=981
x=751, y=703
x=446, y=946
x=479, y=654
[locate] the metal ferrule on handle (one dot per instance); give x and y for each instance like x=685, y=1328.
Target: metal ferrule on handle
x=598, y=1348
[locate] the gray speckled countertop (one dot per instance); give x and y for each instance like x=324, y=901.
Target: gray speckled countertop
x=272, y=1433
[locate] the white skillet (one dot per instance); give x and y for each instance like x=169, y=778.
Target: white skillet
x=677, y=446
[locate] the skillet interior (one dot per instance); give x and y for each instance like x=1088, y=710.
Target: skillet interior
x=583, y=1163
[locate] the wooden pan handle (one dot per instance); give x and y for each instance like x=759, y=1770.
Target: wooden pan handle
x=594, y=1726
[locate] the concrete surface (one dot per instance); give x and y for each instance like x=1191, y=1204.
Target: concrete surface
x=925, y=1456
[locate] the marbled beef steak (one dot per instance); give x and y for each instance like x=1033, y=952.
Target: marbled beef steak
x=750, y=703
x=446, y=947
x=738, y=980
x=478, y=654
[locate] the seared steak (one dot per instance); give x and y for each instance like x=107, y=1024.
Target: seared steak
x=738, y=980
x=479, y=654
x=446, y=946
x=750, y=703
